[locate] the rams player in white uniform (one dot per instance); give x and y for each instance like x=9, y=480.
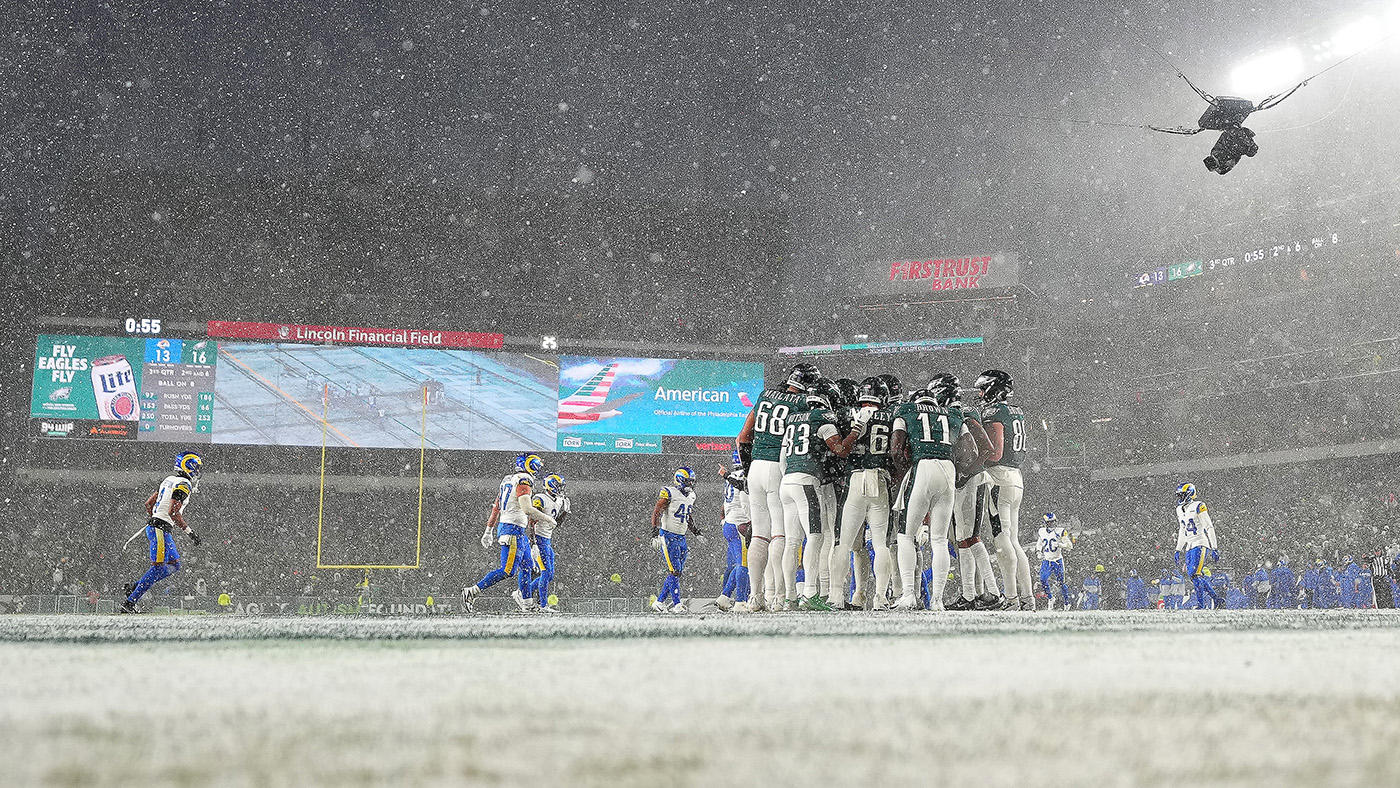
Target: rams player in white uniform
x=1053, y=541
x=1195, y=535
x=164, y=510
x=670, y=521
x=737, y=527
x=509, y=526
x=552, y=501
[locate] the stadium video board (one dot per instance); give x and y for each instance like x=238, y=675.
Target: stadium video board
x=375, y=397
x=631, y=405
x=123, y=388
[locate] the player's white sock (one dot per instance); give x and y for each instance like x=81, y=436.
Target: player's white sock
x=758, y=562
x=824, y=563
x=777, y=554
x=909, y=564
x=1006, y=559
x=840, y=570
x=983, y=562
x=940, y=577
x=863, y=581
x=967, y=572
x=884, y=567
x=812, y=565
x=787, y=581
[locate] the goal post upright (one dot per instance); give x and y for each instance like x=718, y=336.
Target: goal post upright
x=422, y=465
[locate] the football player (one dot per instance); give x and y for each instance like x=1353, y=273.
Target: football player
x=1053, y=541
x=925, y=432
x=1196, y=536
x=867, y=497
x=811, y=436
x=165, y=509
x=969, y=508
x=670, y=520
x=834, y=487
x=510, y=526
x=736, y=530
x=760, y=449
x=554, y=503
x=1006, y=427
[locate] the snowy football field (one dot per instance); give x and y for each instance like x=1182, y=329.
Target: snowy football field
x=1108, y=698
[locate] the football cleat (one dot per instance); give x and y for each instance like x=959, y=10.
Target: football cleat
x=679, y=607
x=723, y=602
x=963, y=603
x=880, y=604
x=658, y=606
x=814, y=603
x=987, y=602
x=1028, y=603
x=750, y=606
x=1006, y=603
x=549, y=609
x=127, y=606
x=906, y=602
x=468, y=595
x=526, y=606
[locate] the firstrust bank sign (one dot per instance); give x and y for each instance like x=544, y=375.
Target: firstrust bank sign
x=940, y=274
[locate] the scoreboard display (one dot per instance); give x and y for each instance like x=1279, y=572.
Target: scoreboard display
x=124, y=388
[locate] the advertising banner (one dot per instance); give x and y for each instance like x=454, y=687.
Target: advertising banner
x=629, y=404
x=923, y=276
x=345, y=335
x=123, y=388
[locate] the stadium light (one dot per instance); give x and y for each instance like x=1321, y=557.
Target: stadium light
x=1358, y=35
x=1268, y=73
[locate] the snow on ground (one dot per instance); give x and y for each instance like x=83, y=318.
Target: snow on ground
x=1248, y=698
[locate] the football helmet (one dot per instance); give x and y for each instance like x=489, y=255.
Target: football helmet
x=923, y=397
x=847, y=389
x=1050, y=519
x=803, y=376
x=945, y=386
x=872, y=391
x=823, y=394
x=554, y=484
x=993, y=386
x=189, y=463
x=685, y=478
x=892, y=386
x=529, y=463
x=1186, y=491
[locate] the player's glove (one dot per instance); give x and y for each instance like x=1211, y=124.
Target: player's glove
x=194, y=537
x=922, y=537
x=656, y=542
x=485, y=540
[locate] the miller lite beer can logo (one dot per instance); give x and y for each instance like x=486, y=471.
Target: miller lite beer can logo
x=114, y=388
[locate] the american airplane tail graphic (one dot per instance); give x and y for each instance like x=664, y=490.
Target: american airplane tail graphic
x=590, y=403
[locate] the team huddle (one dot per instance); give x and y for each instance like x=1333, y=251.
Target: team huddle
x=841, y=495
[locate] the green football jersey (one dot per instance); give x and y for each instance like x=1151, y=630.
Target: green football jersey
x=1013, y=432
x=933, y=430
x=770, y=421
x=804, y=445
x=872, y=450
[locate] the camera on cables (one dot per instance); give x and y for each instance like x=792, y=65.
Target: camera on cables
x=1227, y=115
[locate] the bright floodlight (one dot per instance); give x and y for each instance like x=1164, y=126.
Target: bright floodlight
x=1267, y=74
x=1357, y=36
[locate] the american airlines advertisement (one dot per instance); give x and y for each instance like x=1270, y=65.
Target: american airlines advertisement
x=630, y=404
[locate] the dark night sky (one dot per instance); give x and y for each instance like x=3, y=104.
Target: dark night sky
x=865, y=122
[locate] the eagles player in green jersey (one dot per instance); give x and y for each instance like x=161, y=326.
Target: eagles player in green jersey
x=969, y=514
x=867, y=495
x=760, y=451
x=1006, y=426
x=925, y=431
x=811, y=436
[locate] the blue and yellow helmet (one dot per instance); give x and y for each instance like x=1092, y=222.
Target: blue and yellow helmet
x=529, y=463
x=1049, y=518
x=188, y=463
x=554, y=484
x=1186, y=491
x=684, y=478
